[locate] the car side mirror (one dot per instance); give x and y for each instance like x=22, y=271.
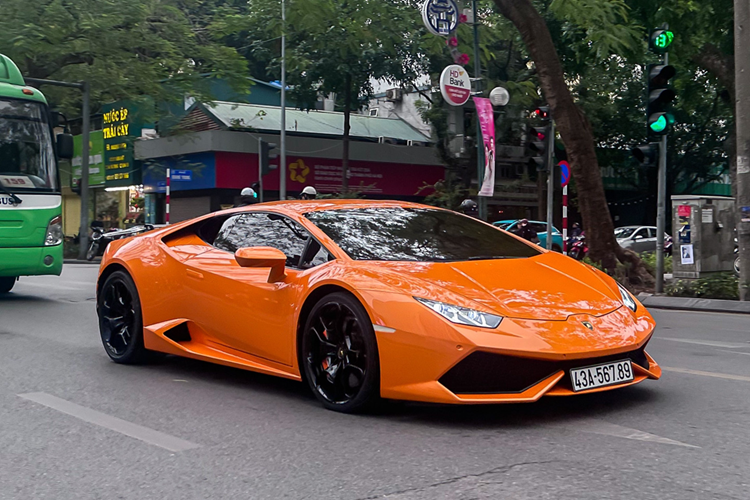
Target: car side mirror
x=65, y=146
x=637, y=237
x=263, y=257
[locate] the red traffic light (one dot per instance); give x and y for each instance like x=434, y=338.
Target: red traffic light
x=540, y=136
x=542, y=112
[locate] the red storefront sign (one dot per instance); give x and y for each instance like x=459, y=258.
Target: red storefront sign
x=237, y=170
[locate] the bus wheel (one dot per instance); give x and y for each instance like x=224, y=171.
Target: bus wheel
x=6, y=283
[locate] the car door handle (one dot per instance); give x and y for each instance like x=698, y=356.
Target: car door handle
x=194, y=274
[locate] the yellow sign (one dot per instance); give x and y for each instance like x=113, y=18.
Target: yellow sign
x=298, y=171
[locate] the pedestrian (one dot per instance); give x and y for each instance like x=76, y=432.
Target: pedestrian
x=248, y=196
x=469, y=207
x=525, y=231
x=309, y=193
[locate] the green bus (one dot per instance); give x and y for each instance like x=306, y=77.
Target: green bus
x=30, y=200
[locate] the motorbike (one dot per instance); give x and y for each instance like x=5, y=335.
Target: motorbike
x=101, y=238
x=577, y=247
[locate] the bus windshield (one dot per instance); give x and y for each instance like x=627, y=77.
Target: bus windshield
x=27, y=157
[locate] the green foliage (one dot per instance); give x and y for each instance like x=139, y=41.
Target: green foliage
x=718, y=286
x=123, y=48
x=445, y=194
x=649, y=260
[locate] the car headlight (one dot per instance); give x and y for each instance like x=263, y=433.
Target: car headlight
x=462, y=315
x=54, y=234
x=627, y=299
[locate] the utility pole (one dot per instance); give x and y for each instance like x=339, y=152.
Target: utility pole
x=741, y=75
x=550, y=182
x=83, y=231
x=282, y=160
x=661, y=207
x=480, y=143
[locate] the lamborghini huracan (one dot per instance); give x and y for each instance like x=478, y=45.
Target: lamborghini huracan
x=363, y=300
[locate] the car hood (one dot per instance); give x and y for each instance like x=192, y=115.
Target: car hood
x=547, y=287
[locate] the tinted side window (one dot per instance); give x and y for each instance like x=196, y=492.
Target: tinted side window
x=642, y=233
x=263, y=230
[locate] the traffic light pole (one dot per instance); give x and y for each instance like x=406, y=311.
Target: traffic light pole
x=550, y=182
x=260, y=170
x=661, y=201
x=480, y=143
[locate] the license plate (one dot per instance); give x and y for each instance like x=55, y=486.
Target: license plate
x=590, y=377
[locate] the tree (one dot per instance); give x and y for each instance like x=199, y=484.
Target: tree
x=336, y=47
x=123, y=48
x=575, y=131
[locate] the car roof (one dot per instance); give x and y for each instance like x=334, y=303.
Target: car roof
x=306, y=206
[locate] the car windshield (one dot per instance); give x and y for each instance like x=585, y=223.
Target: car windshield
x=624, y=232
x=416, y=234
x=27, y=158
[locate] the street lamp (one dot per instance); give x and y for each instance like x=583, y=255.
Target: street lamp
x=499, y=96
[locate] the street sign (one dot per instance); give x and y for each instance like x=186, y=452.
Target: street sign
x=564, y=173
x=182, y=175
x=440, y=16
x=455, y=85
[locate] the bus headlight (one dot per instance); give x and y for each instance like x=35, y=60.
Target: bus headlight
x=54, y=232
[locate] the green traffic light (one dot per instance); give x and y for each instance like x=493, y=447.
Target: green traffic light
x=659, y=125
x=663, y=39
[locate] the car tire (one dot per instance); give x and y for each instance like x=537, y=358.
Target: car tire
x=338, y=356
x=120, y=320
x=7, y=283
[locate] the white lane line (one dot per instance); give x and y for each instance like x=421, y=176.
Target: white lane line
x=144, y=434
x=709, y=343
x=595, y=426
x=706, y=374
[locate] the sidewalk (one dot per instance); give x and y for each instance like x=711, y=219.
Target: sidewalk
x=693, y=304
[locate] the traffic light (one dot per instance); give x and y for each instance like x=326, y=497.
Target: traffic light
x=647, y=154
x=268, y=152
x=538, y=139
x=536, y=147
x=659, y=98
x=660, y=40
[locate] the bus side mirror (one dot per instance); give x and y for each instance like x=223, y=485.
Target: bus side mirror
x=65, y=146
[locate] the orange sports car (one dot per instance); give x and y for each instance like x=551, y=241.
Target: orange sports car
x=373, y=299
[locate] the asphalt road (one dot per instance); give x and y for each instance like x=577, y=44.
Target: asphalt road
x=75, y=425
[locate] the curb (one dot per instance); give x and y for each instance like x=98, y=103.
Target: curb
x=693, y=304
x=77, y=261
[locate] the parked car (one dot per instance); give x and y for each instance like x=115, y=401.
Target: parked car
x=640, y=239
x=541, y=231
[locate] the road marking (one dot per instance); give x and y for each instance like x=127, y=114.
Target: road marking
x=706, y=374
x=709, y=343
x=595, y=426
x=144, y=434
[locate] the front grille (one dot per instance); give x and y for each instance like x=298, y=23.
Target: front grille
x=490, y=373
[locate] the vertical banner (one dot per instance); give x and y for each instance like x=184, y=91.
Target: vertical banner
x=487, y=124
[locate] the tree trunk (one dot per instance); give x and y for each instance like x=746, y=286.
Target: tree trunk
x=347, y=116
x=576, y=134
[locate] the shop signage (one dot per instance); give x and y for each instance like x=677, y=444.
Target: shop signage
x=440, y=16
x=121, y=127
x=455, y=85
x=96, y=159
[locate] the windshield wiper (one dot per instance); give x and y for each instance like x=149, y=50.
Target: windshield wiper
x=16, y=200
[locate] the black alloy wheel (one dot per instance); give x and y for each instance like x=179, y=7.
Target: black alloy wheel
x=6, y=283
x=120, y=320
x=339, y=354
